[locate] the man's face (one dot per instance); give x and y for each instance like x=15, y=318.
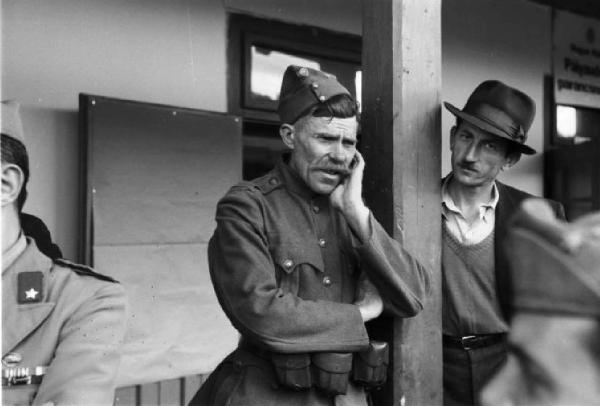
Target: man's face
x=322, y=150
x=477, y=156
x=553, y=361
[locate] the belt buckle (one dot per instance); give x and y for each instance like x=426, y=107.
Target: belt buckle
x=465, y=340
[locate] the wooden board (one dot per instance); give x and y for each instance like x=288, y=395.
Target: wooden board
x=154, y=176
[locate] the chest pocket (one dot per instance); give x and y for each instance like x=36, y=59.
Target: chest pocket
x=295, y=259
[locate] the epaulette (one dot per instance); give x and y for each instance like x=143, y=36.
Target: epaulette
x=83, y=270
x=267, y=183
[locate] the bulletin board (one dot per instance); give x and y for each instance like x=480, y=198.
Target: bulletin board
x=154, y=174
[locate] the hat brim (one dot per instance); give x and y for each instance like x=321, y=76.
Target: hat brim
x=485, y=126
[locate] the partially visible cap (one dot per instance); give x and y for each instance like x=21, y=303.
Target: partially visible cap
x=303, y=88
x=555, y=265
x=11, y=120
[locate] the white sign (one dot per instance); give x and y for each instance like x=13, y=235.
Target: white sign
x=576, y=60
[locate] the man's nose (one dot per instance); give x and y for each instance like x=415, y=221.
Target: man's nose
x=337, y=153
x=472, y=152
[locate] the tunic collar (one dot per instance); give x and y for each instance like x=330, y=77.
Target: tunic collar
x=292, y=180
x=11, y=254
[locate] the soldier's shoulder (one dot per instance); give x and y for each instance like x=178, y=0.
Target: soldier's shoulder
x=263, y=185
x=81, y=270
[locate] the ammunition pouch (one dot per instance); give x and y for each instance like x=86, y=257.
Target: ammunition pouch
x=331, y=371
x=370, y=366
x=292, y=370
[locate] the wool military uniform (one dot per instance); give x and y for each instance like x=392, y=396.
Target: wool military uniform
x=66, y=319
x=285, y=267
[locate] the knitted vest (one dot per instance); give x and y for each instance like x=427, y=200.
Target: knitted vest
x=470, y=303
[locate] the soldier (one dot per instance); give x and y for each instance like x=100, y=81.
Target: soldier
x=554, y=356
x=62, y=323
x=489, y=136
x=299, y=263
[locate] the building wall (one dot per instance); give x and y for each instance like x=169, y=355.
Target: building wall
x=174, y=52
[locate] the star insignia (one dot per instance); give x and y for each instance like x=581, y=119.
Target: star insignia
x=31, y=293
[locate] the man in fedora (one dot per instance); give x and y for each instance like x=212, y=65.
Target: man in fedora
x=299, y=264
x=62, y=323
x=554, y=356
x=489, y=136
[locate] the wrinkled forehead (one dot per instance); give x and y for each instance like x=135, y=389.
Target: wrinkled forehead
x=345, y=127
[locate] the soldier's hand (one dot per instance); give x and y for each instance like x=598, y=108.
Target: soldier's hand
x=347, y=198
x=368, y=300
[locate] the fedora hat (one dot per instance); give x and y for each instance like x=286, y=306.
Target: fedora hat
x=500, y=110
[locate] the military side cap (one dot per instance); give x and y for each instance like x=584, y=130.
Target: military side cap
x=303, y=88
x=11, y=120
x=555, y=265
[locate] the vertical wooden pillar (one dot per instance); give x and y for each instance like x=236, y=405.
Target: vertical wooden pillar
x=401, y=144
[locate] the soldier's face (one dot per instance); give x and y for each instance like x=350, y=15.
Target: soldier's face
x=322, y=150
x=477, y=156
x=553, y=361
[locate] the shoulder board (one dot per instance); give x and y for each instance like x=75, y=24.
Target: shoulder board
x=83, y=270
x=267, y=183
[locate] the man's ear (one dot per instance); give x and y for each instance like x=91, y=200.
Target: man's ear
x=288, y=134
x=12, y=183
x=511, y=159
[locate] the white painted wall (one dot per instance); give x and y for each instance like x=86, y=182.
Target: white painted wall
x=174, y=52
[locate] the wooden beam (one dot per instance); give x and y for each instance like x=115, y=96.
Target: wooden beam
x=402, y=148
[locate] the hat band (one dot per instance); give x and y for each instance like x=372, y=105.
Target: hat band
x=499, y=119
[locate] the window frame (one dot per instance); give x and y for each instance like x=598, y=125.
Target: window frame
x=303, y=40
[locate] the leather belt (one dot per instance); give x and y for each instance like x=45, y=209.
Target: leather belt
x=473, y=341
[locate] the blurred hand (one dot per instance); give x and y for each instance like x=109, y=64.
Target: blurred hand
x=368, y=300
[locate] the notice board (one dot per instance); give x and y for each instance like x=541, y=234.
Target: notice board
x=154, y=174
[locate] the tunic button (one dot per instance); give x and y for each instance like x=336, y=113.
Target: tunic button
x=327, y=281
x=12, y=359
x=288, y=263
x=316, y=208
x=321, y=242
x=273, y=181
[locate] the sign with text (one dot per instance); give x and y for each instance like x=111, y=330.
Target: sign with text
x=576, y=60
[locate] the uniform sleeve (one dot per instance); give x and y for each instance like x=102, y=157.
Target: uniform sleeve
x=243, y=276
x=403, y=283
x=84, y=367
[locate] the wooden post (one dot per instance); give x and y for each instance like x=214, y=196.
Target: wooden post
x=401, y=144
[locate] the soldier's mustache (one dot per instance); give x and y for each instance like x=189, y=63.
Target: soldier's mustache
x=340, y=170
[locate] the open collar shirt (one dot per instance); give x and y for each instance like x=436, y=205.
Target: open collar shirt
x=456, y=223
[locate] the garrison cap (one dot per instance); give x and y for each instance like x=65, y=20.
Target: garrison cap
x=303, y=88
x=555, y=265
x=11, y=120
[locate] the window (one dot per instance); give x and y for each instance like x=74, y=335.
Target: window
x=259, y=52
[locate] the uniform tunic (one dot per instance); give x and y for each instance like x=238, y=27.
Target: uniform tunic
x=285, y=266
x=75, y=330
